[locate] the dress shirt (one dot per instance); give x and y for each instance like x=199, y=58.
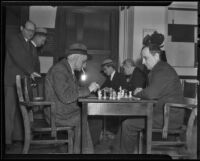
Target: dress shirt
x=112, y=75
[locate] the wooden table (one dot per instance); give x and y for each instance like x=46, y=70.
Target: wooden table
x=123, y=107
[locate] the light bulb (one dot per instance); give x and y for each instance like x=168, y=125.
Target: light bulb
x=83, y=76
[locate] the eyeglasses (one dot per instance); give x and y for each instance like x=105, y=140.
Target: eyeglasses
x=29, y=30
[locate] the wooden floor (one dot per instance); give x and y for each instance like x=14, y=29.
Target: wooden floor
x=101, y=148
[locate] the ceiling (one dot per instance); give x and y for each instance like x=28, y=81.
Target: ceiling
x=91, y=9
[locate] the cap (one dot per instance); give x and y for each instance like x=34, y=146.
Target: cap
x=41, y=31
x=107, y=62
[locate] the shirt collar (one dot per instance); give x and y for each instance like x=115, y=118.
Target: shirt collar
x=33, y=43
x=26, y=39
x=112, y=75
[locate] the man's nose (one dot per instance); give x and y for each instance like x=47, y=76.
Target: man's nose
x=143, y=61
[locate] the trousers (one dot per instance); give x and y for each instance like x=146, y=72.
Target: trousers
x=14, y=129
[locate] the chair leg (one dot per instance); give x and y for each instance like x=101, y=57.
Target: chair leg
x=27, y=141
x=70, y=143
x=140, y=142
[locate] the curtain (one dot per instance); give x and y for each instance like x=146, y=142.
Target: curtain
x=60, y=31
x=114, y=36
x=123, y=34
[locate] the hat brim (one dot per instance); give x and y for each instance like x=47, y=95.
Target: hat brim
x=79, y=51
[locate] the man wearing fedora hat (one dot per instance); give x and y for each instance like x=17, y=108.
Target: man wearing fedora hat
x=37, y=41
x=114, y=79
x=62, y=87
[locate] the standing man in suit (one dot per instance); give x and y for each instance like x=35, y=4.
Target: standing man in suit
x=134, y=77
x=62, y=87
x=164, y=85
x=18, y=61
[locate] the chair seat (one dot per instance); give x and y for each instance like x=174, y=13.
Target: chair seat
x=42, y=125
x=171, y=131
x=168, y=143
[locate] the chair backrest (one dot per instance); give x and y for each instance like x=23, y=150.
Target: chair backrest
x=19, y=88
x=190, y=91
x=26, y=114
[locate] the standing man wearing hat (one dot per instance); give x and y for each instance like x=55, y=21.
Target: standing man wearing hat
x=38, y=42
x=62, y=87
x=18, y=61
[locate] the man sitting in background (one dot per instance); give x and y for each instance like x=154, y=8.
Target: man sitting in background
x=134, y=76
x=113, y=82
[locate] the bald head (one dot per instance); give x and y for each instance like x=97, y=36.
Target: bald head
x=128, y=66
x=28, y=29
x=129, y=62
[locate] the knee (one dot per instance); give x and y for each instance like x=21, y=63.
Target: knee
x=132, y=125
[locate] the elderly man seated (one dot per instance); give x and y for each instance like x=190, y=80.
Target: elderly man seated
x=62, y=87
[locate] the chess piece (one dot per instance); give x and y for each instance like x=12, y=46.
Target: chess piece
x=125, y=95
x=111, y=95
x=122, y=93
x=99, y=94
x=114, y=95
x=118, y=95
x=130, y=94
x=104, y=95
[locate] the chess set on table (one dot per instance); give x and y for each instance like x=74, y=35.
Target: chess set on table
x=113, y=95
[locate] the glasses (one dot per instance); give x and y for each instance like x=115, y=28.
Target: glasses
x=29, y=30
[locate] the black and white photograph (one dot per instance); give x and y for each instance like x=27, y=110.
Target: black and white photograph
x=100, y=79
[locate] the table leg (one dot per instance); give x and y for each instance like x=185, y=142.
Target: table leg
x=86, y=144
x=149, y=128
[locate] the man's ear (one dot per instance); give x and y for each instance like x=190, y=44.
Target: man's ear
x=157, y=56
x=21, y=28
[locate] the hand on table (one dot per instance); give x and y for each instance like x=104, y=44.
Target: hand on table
x=34, y=75
x=137, y=90
x=93, y=87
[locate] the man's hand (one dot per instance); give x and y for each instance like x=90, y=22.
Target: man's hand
x=107, y=89
x=93, y=87
x=137, y=90
x=35, y=74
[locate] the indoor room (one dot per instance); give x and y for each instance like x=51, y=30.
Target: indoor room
x=95, y=78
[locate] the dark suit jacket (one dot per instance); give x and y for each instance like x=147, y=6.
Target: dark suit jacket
x=164, y=85
x=36, y=62
x=135, y=80
x=117, y=81
x=62, y=88
x=18, y=59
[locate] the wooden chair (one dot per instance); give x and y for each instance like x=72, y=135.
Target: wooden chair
x=184, y=135
x=33, y=127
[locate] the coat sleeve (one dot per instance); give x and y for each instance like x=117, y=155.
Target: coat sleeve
x=65, y=88
x=83, y=91
x=19, y=55
x=159, y=82
x=140, y=79
x=105, y=84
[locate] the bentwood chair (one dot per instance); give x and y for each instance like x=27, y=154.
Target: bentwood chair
x=38, y=131
x=185, y=142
